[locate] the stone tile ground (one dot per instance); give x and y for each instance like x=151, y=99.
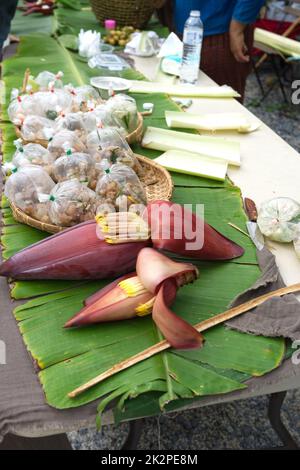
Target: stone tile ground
x=237, y=425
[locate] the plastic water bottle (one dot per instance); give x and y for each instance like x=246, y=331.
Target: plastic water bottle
x=192, y=45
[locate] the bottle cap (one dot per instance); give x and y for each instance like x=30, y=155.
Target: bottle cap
x=195, y=13
x=110, y=24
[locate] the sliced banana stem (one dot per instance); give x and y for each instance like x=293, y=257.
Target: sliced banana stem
x=200, y=327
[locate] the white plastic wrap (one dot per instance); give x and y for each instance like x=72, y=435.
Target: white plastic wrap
x=279, y=219
x=22, y=188
x=71, y=203
x=120, y=187
x=78, y=166
x=65, y=140
x=123, y=110
x=33, y=154
x=37, y=128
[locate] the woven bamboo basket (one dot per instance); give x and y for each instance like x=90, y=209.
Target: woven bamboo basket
x=132, y=138
x=156, y=180
x=135, y=13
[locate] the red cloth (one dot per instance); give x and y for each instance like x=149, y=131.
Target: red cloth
x=278, y=27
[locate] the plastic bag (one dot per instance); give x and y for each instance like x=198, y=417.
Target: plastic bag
x=123, y=110
x=99, y=139
x=85, y=98
x=33, y=154
x=120, y=187
x=48, y=79
x=279, y=219
x=19, y=108
x=71, y=203
x=71, y=122
x=115, y=149
x=78, y=166
x=22, y=188
x=37, y=128
x=65, y=140
x=51, y=103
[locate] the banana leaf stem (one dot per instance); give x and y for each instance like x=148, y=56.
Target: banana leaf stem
x=200, y=327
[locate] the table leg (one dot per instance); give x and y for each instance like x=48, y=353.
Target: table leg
x=274, y=413
x=59, y=442
x=135, y=430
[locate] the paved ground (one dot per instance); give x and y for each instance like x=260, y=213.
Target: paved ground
x=242, y=424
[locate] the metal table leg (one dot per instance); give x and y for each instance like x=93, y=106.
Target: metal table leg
x=135, y=430
x=274, y=413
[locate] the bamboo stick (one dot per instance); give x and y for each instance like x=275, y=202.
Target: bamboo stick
x=25, y=80
x=200, y=327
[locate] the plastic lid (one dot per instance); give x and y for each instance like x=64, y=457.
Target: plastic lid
x=195, y=13
x=110, y=24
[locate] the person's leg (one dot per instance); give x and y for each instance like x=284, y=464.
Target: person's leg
x=219, y=63
x=7, y=12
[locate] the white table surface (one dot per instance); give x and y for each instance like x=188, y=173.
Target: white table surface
x=270, y=166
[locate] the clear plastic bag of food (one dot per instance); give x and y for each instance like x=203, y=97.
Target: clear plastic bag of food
x=279, y=219
x=37, y=128
x=85, y=97
x=78, y=166
x=46, y=80
x=71, y=122
x=71, y=203
x=33, y=154
x=65, y=140
x=51, y=104
x=120, y=187
x=20, y=107
x=123, y=110
x=115, y=149
x=100, y=139
x=23, y=187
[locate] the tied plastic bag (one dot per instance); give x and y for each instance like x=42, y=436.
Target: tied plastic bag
x=89, y=43
x=143, y=44
x=74, y=122
x=123, y=110
x=279, y=219
x=95, y=139
x=22, y=188
x=20, y=107
x=115, y=149
x=33, y=154
x=84, y=98
x=37, y=128
x=70, y=203
x=46, y=80
x=120, y=187
x=51, y=103
x=78, y=166
x=65, y=140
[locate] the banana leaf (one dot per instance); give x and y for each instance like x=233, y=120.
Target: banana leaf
x=67, y=358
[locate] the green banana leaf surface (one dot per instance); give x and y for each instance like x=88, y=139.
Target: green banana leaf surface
x=69, y=358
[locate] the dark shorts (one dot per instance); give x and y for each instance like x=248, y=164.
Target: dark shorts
x=7, y=12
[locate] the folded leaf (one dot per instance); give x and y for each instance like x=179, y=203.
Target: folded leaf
x=139, y=86
x=217, y=147
x=211, y=122
x=194, y=164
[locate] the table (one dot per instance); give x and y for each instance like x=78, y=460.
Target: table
x=258, y=181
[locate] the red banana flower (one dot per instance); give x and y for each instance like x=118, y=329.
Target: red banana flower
x=78, y=253
x=152, y=288
x=75, y=254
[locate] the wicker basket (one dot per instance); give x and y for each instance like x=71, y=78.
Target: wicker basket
x=132, y=138
x=135, y=13
x=156, y=181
